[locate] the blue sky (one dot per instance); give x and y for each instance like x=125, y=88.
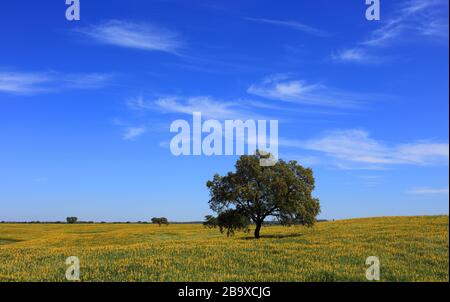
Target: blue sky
x=85, y=106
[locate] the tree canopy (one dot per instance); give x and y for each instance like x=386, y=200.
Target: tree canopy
x=230, y=220
x=71, y=219
x=283, y=191
x=160, y=220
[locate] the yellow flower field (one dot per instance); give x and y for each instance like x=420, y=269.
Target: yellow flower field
x=409, y=249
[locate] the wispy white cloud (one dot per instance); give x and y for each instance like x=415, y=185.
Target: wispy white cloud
x=357, y=55
x=429, y=191
x=410, y=20
x=422, y=153
x=413, y=17
x=27, y=83
x=23, y=83
x=87, y=81
x=435, y=28
x=293, y=25
x=134, y=35
x=208, y=106
x=354, y=148
x=204, y=104
x=284, y=88
x=131, y=133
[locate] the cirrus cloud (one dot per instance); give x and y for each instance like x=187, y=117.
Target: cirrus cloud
x=409, y=19
x=282, y=87
x=29, y=83
x=131, y=133
x=355, y=148
x=142, y=36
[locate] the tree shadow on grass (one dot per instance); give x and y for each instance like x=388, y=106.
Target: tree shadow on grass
x=8, y=241
x=274, y=236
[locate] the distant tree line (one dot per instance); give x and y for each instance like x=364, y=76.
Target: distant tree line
x=73, y=220
x=268, y=223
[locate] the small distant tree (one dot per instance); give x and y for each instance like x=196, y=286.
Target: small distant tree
x=71, y=219
x=229, y=220
x=160, y=220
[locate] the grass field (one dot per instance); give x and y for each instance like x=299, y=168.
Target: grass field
x=409, y=249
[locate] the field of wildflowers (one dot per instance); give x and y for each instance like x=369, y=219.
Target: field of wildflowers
x=409, y=249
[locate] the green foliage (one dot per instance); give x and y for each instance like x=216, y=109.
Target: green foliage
x=71, y=219
x=283, y=191
x=160, y=220
x=210, y=221
x=229, y=220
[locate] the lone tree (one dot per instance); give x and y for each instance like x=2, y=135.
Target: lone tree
x=282, y=191
x=71, y=219
x=160, y=220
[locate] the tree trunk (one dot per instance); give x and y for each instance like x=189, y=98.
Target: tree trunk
x=257, y=229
